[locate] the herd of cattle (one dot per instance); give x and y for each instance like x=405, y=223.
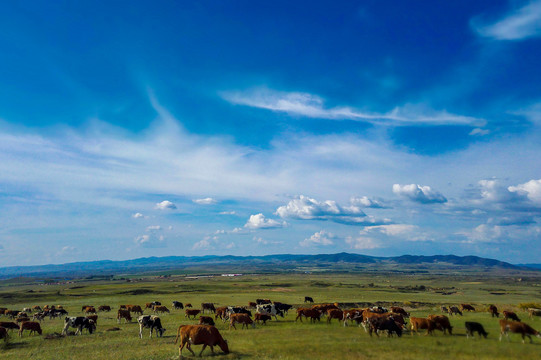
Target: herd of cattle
x=375, y=319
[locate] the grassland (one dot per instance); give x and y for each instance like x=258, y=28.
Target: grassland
x=422, y=294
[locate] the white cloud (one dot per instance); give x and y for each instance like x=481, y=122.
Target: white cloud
x=479, y=132
x=154, y=238
x=166, y=204
x=231, y=245
x=154, y=228
x=321, y=238
x=205, y=201
x=368, y=202
x=362, y=243
x=418, y=193
x=484, y=233
x=532, y=189
x=204, y=244
x=522, y=23
x=137, y=216
x=259, y=221
x=228, y=213
x=394, y=229
x=309, y=105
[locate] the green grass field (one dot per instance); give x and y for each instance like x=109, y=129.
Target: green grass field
x=284, y=339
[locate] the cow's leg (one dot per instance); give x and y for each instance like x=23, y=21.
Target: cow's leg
x=211, y=349
x=201, y=353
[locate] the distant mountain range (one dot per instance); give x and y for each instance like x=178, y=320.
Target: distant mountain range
x=245, y=264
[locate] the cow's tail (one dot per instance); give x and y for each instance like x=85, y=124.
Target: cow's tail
x=178, y=333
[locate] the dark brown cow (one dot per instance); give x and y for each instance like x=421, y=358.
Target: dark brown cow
x=206, y=320
x=208, y=306
x=466, y=307
x=160, y=309
x=104, y=308
x=493, y=310
x=243, y=319
x=334, y=314
x=313, y=314
x=517, y=327
x=93, y=318
x=422, y=323
x=135, y=309
x=191, y=312
x=510, y=315
x=205, y=335
x=442, y=323
x=30, y=325
x=399, y=310
x=188, y=305
x=90, y=310
x=123, y=314
x=10, y=325
x=3, y=334
x=262, y=318
x=252, y=305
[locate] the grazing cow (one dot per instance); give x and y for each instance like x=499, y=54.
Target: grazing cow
x=517, y=327
x=422, y=323
x=83, y=308
x=243, y=319
x=135, y=309
x=252, y=305
x=206, y=320
x=381, y=323
x=283, y=307
x=352, y=314
x=191, y=312
x=160, y=309
x=442, y=323
x=308, y=299
x=262, y=317
x=444, y=309
x=36, y=308
x=399, y=310
x=237, y=310
x=56, y=313
x=510, y=315
x=149, y=305
x=90, y=310
x=104, y=308
x=534, y=312
x=30, y=325
x=188, y=305
x=269, y=309
x=313, y=314
x=123, y=314
x=324, y=307
x=493, y=310
x=9, y=325
x=263, y=301
x=472, y=327
x=151, y=322
x=208, y=306
x=453, y=310
x=177, y=305
x=3, y=334
x=221, y=313
x=39, y=316
x=205, y=335
x=466, y=307
x=12, y=313
x=79, y=323
x=334, y=314
x=93, y=318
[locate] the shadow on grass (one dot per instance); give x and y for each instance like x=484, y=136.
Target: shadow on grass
x=13, y=345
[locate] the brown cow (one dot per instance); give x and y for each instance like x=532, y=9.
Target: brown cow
x=442, y=323
x=324, y=307
x=135, y=309
x=205, y=335
x=93, y=318
x=90, y=310
x=422, y=323
x=160, y=309
x=493, y=310
x=206, y=320
x=313, y=314
x=22, y=319
x=221, y=313
x=517, y=327
x=208, y=306
x=191, y=312
x=243, y=319
x=36, y=308
x=534, y=312
x=30, y=325
x=334, y=314
x=262, y=317
x=104, y=308
x=252, y=305
x=123, y=314
x=510, y=315
x=466, y=307
x=188, y=305
x=399, y=310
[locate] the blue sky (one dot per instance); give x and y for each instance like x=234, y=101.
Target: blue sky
x=132, y=129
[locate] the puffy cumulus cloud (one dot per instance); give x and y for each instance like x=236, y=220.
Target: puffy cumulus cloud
x=362, y=242
x=138, y=216
x=420, y=194
x=312, y=106
x=259, y=221
x=166, y=205
x=321, y=238
x=531, y=189
x=519, y=24
x=306, y=208
x=367, y=202
x=493, y=191
x=205, y=201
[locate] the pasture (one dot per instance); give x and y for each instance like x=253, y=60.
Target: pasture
x=421, y=294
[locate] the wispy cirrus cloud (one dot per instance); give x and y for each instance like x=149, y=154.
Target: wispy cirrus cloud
x=312, y=106
x=519, y=24
x=205, y=201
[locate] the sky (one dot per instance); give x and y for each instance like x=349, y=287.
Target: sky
x=154, y=128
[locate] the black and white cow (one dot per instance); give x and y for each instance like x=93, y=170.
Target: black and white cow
x=237, y=310
x=80, y=323
x=150, y=322
x=269, y=309
x=54, y=313
x=177, y=305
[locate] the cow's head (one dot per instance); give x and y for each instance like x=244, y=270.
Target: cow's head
x=161, y=331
